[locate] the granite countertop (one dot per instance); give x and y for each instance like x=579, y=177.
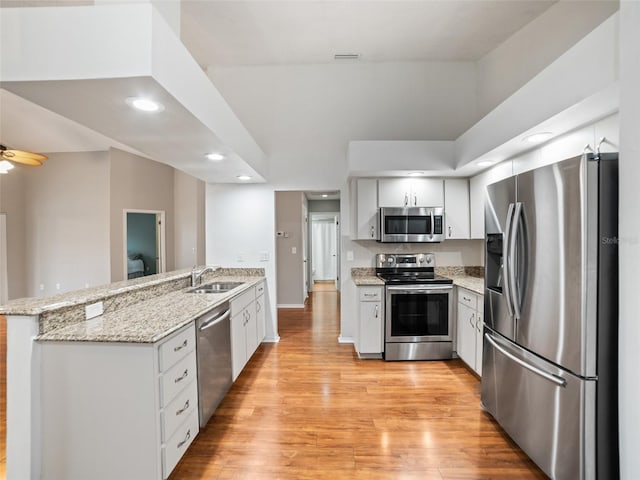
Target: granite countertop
x=39, y=305
x=475, y=284
x=150, y=320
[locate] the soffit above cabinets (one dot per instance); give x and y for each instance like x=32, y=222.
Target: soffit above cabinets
x=575, y=90
x=85, y=74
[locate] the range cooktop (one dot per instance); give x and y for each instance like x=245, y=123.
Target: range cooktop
x=408, y=268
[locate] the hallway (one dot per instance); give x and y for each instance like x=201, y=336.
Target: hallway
x=307, y=408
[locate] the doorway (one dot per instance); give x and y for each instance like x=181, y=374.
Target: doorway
x=325, y=246
x=144, y=242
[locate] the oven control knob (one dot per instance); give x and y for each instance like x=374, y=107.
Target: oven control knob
x=428, y=259
x=390, y=260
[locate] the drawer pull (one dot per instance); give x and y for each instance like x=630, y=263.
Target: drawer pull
x=180, y=347
x=183, y=409
x=184, y=375
x=186, y=439
x=466, y=299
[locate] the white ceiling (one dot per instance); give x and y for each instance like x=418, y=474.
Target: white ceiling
x=238, y=32
x=303, y=32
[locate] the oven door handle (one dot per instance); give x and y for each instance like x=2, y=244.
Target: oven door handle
x=419, y=288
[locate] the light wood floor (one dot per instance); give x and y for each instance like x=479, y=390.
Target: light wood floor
x=307, y=408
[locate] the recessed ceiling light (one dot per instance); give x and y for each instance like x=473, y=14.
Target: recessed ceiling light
x=215, y=156
x=145, y=104
x=244, y=178
x=538, y=137
x=485, y=163
x=416, y=174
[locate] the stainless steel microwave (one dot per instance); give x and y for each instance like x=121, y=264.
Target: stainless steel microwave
x=411, y=224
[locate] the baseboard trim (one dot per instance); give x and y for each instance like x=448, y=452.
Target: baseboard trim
x=291, y=305
x=342, y=339
x=275, y=339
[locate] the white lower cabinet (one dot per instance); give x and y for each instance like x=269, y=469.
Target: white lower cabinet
x=244, y=329
x=118, y=410
x=469, y=328
x=370, y=340
x=260, y=312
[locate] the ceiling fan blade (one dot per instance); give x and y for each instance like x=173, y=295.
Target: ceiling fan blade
x=26, y=158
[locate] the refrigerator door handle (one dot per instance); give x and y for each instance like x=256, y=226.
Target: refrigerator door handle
x=513, y=286
x=561, y=382
x=506, y=267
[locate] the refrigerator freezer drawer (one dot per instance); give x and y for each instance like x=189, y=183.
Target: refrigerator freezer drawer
x=547, y=411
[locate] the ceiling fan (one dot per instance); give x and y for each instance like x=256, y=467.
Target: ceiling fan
x=9, y=156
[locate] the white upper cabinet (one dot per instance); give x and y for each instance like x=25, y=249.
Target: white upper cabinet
x=365, y=209
x=456, y=208
x=410, y=192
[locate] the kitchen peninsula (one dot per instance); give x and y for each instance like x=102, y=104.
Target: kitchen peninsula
x=101, y=382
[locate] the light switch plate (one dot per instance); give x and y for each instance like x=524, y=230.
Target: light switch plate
x=93, y=310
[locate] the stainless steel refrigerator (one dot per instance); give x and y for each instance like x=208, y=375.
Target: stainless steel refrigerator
x=549, y=370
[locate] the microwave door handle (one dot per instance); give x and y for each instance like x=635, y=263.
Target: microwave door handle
x=513, y=285
x=433, y=225
x=505, y=259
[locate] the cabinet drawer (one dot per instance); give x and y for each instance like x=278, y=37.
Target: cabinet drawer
x=370, y=294
x=242, y=300
x=467, y=298
x=177, y=347
x=259, y=289
x=179, y=409
x=178, y=376
x=175, y=447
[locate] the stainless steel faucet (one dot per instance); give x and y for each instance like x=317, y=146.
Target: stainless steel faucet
x=197, y=276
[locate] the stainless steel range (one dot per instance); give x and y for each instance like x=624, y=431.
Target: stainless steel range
x=418, y=320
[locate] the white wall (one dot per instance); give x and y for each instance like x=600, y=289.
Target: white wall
x=629, y=238
x=67, y=223
x=240, y=222
x=512, y=64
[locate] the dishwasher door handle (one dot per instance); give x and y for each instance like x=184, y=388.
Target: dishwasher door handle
x=214, y=321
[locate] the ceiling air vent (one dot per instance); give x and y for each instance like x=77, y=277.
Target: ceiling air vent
x=346, y=56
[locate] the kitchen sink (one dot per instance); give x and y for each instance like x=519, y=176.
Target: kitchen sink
x=215, y=287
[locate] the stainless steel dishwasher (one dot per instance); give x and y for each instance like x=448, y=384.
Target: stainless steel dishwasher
x=214, y=359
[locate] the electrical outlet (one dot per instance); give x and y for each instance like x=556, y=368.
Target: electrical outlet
x=350, y=255
x=294, y=250
x=264, y=256
x=57, y=286
x=42, y=287
x=240, y=257
x=93, y=310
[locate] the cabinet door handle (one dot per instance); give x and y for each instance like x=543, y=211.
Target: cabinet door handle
x=183, y=409
x=185, y=374
x=258, y=307
x=186, y=438
x=373, y=231
x=406, y=199
x=449, y=231
x=479, y=324
x=181, y=346
x=473, y=325
x=415, y=199
x=376, y=310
